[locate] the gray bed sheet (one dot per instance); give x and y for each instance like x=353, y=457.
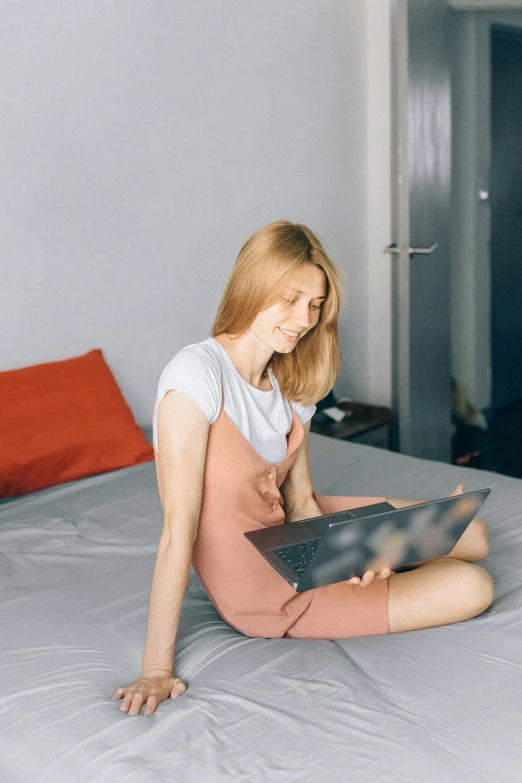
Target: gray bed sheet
x=76, y=563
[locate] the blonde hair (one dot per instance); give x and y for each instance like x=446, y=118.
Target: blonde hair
x=270, y=259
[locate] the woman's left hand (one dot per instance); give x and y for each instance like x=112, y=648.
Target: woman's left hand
x=369, y=576
x=310, y=510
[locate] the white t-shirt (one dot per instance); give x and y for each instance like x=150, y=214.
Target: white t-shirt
x=263, y=417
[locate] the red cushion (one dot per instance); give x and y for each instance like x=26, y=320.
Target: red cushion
x=64, y=420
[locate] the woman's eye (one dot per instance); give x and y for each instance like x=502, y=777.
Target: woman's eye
x=292, y=301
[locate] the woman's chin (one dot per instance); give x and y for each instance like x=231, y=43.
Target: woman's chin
x=288, y=348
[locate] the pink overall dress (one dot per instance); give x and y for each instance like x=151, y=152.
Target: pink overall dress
x=240, y=493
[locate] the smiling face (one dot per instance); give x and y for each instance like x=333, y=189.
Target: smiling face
x=297, y=311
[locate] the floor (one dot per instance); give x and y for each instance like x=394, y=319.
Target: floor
x=498, y=449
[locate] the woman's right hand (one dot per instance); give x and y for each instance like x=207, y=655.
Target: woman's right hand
x=152, y=686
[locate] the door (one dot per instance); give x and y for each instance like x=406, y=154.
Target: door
x=506, y=216
x=421, y=180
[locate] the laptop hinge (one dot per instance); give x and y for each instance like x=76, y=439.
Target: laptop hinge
x=375, y=508
x=319, y=525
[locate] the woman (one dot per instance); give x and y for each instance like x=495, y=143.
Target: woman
x=232, y=455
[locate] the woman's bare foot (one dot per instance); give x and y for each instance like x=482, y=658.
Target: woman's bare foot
x=459, y=490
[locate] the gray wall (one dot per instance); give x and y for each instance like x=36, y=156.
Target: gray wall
x=471, y=223
x=144, y=142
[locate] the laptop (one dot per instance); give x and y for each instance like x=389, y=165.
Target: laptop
x=335, y=547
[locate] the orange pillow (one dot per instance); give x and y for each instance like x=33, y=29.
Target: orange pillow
x=64, y=420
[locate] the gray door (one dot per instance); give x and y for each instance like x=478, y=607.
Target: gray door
x=421, y=179
x=506, y=216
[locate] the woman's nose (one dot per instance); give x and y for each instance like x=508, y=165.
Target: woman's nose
x=303, y=316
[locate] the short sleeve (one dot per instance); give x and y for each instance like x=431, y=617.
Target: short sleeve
x=197, y=374
x=305, y=412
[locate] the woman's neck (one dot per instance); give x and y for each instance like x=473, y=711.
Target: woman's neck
x=249, y=358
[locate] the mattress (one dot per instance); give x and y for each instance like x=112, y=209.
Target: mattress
x=76, y=564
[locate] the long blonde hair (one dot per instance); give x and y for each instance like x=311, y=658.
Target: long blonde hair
x=270, y=259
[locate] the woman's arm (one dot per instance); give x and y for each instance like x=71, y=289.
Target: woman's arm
x=296, y=489
x=165, y=603
x=182, y=438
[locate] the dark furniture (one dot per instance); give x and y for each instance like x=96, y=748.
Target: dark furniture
x=368, y=424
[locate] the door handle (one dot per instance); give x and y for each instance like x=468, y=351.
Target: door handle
x=412, y=250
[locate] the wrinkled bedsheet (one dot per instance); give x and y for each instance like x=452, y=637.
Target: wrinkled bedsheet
x=76, y=563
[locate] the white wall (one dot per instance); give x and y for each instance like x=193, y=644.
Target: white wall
x=144, y=142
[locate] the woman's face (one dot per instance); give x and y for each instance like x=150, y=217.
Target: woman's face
x=284, y=323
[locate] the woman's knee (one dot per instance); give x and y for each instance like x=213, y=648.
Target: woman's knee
x=439, y=592
x=481, y=587
x=472, y=584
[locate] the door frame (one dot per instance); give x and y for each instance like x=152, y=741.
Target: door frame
x=471, y=227
x=419, y=427
x=400, y=218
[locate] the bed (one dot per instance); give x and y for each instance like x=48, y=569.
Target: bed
x=442, y=704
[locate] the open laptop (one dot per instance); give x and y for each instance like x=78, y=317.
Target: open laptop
x=332, y=548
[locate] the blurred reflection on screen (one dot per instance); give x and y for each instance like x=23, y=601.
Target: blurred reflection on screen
x=425, y=536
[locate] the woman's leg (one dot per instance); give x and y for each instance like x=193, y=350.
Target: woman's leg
x=438, y=592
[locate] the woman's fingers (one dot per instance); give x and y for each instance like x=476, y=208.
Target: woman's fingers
x=178, y=689
x=368, y=577
x=137, y=701
x=152, y=703
x=149, y=690
x=127, y=701
x=132, y=699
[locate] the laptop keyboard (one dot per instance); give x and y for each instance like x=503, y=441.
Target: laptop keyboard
x=298, y=556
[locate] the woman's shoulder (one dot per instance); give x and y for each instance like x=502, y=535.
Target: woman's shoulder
x=195, y=368
x=196, y=372
x=197, y=358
